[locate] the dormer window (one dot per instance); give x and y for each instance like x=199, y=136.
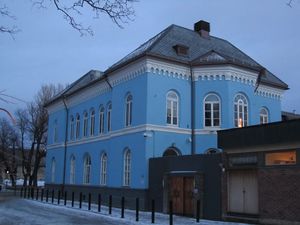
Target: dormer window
x=181, y=50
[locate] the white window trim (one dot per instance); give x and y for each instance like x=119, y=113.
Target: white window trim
x=103, y=171
x=109, y=119
x=220, y=112
x=72, y=169
x=53, y=168
x=127, y=168
x=172, y=113
x=77, y=130
x=243, y=112
x=264, y=117
x=72, y=128
x=87, y=169
x=92, y=123
x=85, y=124
x=128, y=114
x=101, y=120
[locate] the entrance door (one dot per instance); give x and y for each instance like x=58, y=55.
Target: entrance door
x=181, y=193
x=243, y=192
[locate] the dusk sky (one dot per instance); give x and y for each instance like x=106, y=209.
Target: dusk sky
x=48, y=50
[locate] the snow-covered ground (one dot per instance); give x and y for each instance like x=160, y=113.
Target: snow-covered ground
x=41, y=213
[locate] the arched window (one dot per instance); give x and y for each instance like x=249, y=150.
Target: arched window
x=212, y=111
x=77, y=126
x=171, y=152
x=172, y=108
x=240, y=111
x=103, y=172
x=72, y=126
x=264, y=116
x=128, y=112
x=87, y=169
x=101, y=120
x=85, y=124
x=92, y=125
x=53, y=165
x=55, y=130
x=127, y=167
x=109, y=109
x=72, y=169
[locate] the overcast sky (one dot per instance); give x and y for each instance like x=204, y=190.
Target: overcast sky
x=48, y=50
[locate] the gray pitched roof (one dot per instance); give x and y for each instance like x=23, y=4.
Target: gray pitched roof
x=162, y=44
x=201, y=51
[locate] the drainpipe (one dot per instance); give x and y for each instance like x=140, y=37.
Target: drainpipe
x=66, y=142
x=193, y=139
x=106, y=79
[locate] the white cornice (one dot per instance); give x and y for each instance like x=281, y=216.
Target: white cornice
x=168, y=69
x=121, y=132
x=225, y=73
x=269, y=92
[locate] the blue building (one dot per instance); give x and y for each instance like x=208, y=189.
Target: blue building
x=168, y=97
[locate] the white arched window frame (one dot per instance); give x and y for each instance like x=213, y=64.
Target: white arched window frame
x=127, y=168
x=128, y=110
x=101, y=120
x=85, y=124
x=172, y=108
x=53, y=168
x=72, y=128
x=103, y=172
x=212, y=111
x=109, y=111
x=72, y=169
x=240, y=111
x=87, y=163
x=55, y=131
x=264, y=116
x=92, y=123
x=77, y=126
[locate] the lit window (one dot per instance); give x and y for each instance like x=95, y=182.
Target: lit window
x=281, y=158
x=72, y=128
x=103, y=175
x=240, y=111
x=127, y=167
x=85, y=124
x=77, y=126
x=101, y=120
x=109, y=108
x=87, y=169
x=53, y=165
x=92, y=125
x=212, y=111
x=128, y=113
x=172, y=108
x=72, y=170
x=55, y=130
x=263, y=115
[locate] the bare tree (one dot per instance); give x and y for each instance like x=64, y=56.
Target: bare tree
x=5, y=13
x=38, y=127
x=119, y=11
x=8, y=144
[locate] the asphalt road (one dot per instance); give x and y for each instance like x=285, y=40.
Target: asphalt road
x=16, y=211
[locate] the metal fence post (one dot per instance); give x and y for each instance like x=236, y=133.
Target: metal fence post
x=171, y=212
x=153, y=211
x=110, y=204
x=122, y=206
x=137, y=209
x=99, y=202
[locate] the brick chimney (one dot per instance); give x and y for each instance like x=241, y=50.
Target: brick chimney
x=203, y=28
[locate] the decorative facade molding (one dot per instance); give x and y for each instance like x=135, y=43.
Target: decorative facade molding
x=269, y=92
x=168, y=69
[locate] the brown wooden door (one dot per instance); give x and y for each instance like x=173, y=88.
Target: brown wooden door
x=188, y=198
x=181, y=193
